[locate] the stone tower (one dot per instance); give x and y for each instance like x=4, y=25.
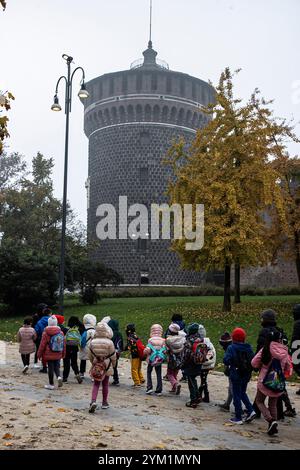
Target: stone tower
x=131, y=118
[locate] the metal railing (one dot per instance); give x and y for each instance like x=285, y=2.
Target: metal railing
x=140, y=62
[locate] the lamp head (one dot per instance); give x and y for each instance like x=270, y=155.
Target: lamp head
x=56, y=106
x=83, y=93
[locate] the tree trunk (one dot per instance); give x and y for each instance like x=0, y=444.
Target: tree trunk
x=227, y=298
x=237, y=283
x=297, y=252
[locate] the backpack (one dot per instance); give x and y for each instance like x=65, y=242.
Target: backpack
x=242, y=363
x=199, y=352
x=174, y=361
x=56, y=342
x=73, y=337
x=99, y=369
x=158, y=356
x=274, y=379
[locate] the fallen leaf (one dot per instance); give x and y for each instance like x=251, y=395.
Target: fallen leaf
x=8, y=444
x=101, y=444
x=228, y=424
x=94, y=433
x=108, y=428
x=27, y=412
x=159, y=446
x=7, y=435
x=116, y=434
x=63, y=410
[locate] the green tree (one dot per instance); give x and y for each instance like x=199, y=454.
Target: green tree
x=227, y=168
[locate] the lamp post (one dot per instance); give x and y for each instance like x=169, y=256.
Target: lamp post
x=83, y=94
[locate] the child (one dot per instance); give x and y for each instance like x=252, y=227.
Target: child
x=136, y=362
x=35, y=318
x=89, y=322
x=175, y=344
x=73, y=340
x=273, y=354
x=208, y=365
x=155, y=353
x=225, y=341
x=117, y=339
x=103, y=358
x=238, y=358
x=296, y=340
x=192, y=364
x=52, y=349
x=39, y=328
x=177, y=318
x=26, y=337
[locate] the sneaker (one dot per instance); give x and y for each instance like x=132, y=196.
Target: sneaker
x=290, y=413
x=116, y=384
x=235, y=421
x=250, y=417
x=81, y=375
x=105, y=405
x=149, y=391
x=43, y=370
x=273, y=428
x=65, y=381
x=49, y=387
x=143, y=381
x=78, y=378
x=191, y=404
x=178, y=388
x=36, y=366
x=224, y=407
x=199, y=400
x=158, y=393
x=60, y=382
x=93, y=407
x=24, y=371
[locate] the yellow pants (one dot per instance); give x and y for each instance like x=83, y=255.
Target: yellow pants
x=136, y=371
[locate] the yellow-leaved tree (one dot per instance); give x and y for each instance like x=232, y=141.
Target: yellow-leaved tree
x=227, y=168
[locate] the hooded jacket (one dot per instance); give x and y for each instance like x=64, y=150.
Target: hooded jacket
x=210, y=363
x=117, y=338
x=189, y=368
x=101, y=346
x=41, y=325
x=278, y=351
x=44, y=349
x=175, y=343
x=156, y=340
x=231, y=356
x=26, y=337
x=89, y=322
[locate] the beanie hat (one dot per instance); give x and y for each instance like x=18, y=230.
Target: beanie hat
x=156, y=330
x=130, y=328
x=225, y=338
x=60, y=319
x=89, y=319
x=268, y=317
x=238, y=335
x=103, y=330
x=174, y=328
x=296, y=312
x=202, y=331
x=193, y=328
x=52, y=321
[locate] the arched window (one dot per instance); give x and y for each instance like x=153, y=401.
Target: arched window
x=173, y=114
x=122, y=114
x=148, y=113
x=165, y=114
x=107, y=117
x=156, y=113
x=130, y=113
x=139, y=113
x=180, y=117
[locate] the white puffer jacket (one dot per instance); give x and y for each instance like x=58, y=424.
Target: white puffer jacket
x=89, y=322
x=211, y=356
x=102, y=346
x=175, y=343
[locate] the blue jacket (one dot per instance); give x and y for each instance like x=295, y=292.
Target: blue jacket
x=41, y=325
x=230, y=360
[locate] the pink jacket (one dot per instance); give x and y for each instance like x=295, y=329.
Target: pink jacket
x=26, y=337
x=278, y=351
x=155, y=339
x=44, y=349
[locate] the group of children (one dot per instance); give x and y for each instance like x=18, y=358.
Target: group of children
x=185, y=349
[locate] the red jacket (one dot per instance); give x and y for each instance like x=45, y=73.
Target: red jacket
x=44, y=349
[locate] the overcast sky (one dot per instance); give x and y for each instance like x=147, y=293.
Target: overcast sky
x=198, y=37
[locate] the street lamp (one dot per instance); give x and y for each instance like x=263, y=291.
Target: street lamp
x=83, y=94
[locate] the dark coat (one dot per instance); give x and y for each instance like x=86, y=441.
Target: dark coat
x=296, y=337
x=230, y=359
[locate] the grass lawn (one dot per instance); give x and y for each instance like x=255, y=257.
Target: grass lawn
x=206, y=310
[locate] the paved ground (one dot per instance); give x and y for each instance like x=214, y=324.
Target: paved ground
x=34, y=418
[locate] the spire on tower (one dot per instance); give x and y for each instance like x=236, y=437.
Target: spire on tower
x=150, y=33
